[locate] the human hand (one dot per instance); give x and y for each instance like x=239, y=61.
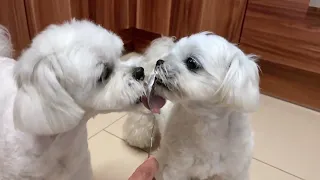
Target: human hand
x=146, y=171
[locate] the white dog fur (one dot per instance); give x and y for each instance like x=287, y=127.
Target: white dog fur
x=70, y=73
x=207, y=135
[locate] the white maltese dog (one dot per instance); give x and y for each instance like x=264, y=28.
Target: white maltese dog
x=213, y=85
x=70, y=73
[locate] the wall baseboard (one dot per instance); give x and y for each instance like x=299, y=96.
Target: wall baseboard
x=290, y=84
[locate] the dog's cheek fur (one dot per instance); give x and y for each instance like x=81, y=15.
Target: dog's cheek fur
x=183, y=84
x=42, y=106
x=197, y=86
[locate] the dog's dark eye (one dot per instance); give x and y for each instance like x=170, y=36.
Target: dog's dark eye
x=192, y=64
x=105, y=74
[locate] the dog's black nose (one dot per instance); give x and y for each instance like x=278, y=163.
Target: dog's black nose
x=159, y=62
x=138, y=73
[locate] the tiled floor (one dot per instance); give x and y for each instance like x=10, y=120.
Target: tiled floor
x=287, y=144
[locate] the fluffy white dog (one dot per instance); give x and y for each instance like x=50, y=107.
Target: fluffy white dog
x=213, y=85
x=70, y=73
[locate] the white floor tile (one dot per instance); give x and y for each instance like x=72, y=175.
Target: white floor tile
x=288, y=137
x=112, y=159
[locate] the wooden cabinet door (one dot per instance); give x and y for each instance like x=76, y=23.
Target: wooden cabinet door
x=115, y=15
x=41, y=13
x=13, y=16
x=154, y=16
x=223, y=17
x=184, y=17
x=286, y=35
x=284, y=32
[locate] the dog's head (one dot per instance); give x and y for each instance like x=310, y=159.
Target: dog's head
x=206, y=68
x=70, y=70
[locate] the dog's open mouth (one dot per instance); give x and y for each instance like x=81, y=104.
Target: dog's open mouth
x=154, y=104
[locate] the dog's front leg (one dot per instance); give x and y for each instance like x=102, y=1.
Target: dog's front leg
x=84, y=173
x=172, y=167
x=171, y=173
x=240, y=176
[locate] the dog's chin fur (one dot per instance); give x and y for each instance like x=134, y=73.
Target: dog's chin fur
x=69, y=73
x=206, y=132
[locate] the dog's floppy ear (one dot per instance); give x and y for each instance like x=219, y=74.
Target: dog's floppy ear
x=240, y=87
x=42, y=106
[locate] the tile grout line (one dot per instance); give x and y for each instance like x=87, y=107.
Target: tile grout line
x=95, y=134
x=124, y=140
x=113, y=134
x=278, y=168
x=107, y=126
x=115, y=121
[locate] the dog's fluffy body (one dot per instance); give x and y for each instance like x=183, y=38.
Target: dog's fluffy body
x=70, y=73
x=207, y=135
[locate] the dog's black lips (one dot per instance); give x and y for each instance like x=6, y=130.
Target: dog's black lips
x=138, y=101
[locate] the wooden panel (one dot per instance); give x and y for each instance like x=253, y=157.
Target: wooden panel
x=42, y=13
x=186, y=17
x=291, y=84
x=80, y=9
x=132, y=13
x=114, y=15
x=13, y=16
x=142, y=39
x=285, y=32
x=154, y=16
x=224, y=17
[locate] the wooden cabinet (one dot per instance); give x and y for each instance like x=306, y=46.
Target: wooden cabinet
x=134, y=20
x=13, y=16
x=223, y=17
x=26, y=18
x=42, y=13
x=184, y=17
x=286, y=34
x=154, y=16
x=116, y=15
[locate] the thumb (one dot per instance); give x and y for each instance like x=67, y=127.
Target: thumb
x=146, y=171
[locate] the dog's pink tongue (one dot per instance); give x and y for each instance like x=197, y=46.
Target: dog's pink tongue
x=156, y=103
